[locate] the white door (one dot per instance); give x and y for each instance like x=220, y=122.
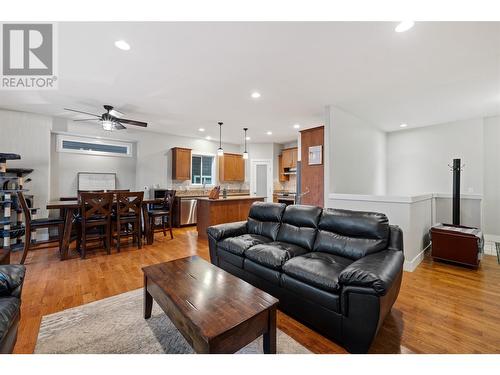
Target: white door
x=261, y=178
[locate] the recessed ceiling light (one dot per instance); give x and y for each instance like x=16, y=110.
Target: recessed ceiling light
x=255, y=95
x=296, y=126
x=123, y=45
x=201, y=129
x=248, y=138
x=269, y=133
x=403, y=125
x=404, y=26
x=208, y=138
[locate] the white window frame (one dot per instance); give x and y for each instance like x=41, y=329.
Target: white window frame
x=63, y=137
x=214, y=179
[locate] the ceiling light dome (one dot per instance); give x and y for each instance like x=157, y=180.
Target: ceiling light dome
x=404, y=26
x=123, y=45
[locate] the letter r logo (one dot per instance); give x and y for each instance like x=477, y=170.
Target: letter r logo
x=27, y=49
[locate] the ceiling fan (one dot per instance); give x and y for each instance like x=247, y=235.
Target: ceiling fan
x=111, y=120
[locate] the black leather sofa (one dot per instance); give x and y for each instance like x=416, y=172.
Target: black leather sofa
x=11, y=285
x=338, y=271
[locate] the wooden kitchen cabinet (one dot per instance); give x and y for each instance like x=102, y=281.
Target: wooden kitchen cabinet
x=231, y=167
x=295, y=156
x=289, y=157
x=282, y=177
x=181, y=163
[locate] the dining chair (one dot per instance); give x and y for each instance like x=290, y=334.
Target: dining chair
x=33, y=224
x=164, y=212
x=128, y=210
x=95, y=213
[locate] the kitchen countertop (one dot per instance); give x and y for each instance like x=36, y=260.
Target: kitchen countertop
x=200, y=193
x=232, y=198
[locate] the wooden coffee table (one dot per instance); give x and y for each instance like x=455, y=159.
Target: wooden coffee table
x=215, y=311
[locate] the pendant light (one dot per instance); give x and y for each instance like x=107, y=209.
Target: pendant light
x=220, y=151
x=245, y=154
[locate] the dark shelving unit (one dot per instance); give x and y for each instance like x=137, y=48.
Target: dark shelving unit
x=12, y=229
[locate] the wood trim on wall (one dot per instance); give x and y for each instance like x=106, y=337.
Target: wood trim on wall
x=312, y=176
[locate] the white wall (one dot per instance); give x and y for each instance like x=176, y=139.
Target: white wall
x=417, y=159
x=29, y=135
x=65, y=167
x=491, y=177
x=153, y=155
x=412, y=214
x=356, y=153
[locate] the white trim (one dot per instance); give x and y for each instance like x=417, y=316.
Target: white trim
x=60, y=138
x=411, y=265
x=398, y=199
x=380, y=198
x=80, y=135
x=462, y=196
x=253, y=187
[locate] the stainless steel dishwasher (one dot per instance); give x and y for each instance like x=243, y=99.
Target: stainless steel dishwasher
x=188, y=211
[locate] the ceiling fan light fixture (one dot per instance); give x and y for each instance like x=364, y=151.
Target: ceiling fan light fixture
x=108, y=125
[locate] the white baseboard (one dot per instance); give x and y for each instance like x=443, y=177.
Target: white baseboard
x=411, y=265
x=491, y=238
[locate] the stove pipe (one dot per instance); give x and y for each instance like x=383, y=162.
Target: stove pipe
x=456, y=191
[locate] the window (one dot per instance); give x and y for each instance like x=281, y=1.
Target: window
x=202, y=170
x=93, y=146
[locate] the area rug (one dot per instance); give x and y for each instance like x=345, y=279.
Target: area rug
x=116, y=325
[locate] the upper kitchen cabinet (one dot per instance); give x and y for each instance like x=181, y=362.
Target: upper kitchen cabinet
x=181, y=163
x=231, y=167
x=289, y=157
x=281, y=171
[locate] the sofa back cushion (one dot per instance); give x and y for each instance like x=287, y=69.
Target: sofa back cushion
x=264, y=219
x=351, y=234
x=299, y=225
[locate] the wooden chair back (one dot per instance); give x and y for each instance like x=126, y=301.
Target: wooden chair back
x=168, y=200
x=24, y=206
x=128, y=203
x=96, y=205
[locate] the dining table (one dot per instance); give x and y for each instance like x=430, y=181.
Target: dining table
x=70, y=210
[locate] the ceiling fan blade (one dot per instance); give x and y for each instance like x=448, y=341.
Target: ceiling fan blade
x=86, y=113
x=116, y=113
x=119, y=126
x=133, y=122
x=87, y=119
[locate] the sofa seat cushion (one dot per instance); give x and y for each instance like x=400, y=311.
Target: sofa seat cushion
x=238, y=245
x=321, y=270
x=226, y=256
x=328, y=300
x=274, y=254
x=9, y=309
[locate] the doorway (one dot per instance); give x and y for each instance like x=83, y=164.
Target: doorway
x=261, y=178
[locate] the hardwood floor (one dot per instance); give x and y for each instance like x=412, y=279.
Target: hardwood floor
x=441, y=308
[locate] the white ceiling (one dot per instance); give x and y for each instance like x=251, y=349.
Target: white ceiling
x=183, y=76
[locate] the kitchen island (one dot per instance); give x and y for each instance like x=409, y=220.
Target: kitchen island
x=223, y=210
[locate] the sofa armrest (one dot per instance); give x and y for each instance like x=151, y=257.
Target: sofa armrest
x=395, y=238
x=221, y=231
x=377, y=271
x=11, y=279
